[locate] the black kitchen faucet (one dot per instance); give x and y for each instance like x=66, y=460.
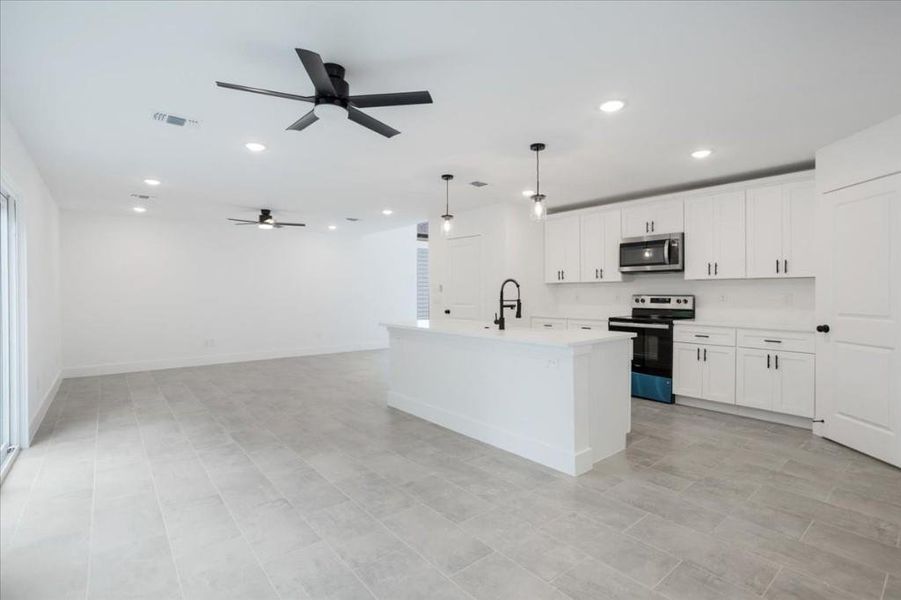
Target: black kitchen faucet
x=499, y=316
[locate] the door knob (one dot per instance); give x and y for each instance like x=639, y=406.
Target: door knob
x=823, y=328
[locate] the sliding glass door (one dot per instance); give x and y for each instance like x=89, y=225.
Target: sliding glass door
x=8, y=331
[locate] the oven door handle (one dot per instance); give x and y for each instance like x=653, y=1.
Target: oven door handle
x=638, y=325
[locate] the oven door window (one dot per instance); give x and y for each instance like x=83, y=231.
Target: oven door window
x=639, y=254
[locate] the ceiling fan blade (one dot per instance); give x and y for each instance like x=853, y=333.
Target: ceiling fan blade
x=395, y=99
x=244, y=88
x=312, y=62
x=361, y=118
x=242, y=220
x=248, y=223
x=281, y=224
x=303, y=122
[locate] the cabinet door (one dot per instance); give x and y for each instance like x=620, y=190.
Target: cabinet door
x=699, y=228
x=635, y=222
x=687, y=367
x=718, y=378
x=728, y=235
x=795, y=377
x=554, y=249
x=764, y=218
x=666, y=216
x=755, y=380
x=572, y=249
x=594, y=246
x=799, y=237
x=612, y=238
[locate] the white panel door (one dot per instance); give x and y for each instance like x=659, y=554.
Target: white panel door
x=572, y=248
x=554, y=250
x=612, y=238
x=799, y=228
x=755, y=380
x=635, y=221
x=718, y=374
x=667, y=216
x=795, y=374
x=594, y=246
x=764, y=219
x=699, y=233
x=687, y=370
x=464, y=285
x=728, y=235
x=858, y=294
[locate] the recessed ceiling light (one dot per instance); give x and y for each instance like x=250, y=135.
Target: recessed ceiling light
x=387, y=212
x=612, y=106
x=255, y=146
x=152, y=181
x=702, y=153
x=332, y=227
x=139, y=209
x=528, y=193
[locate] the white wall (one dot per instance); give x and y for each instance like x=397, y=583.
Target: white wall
x=514, y=247
x=143, y=293
x=38, y=218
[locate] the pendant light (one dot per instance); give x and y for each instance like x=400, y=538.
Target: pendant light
x=539, y=209
x=448, y=218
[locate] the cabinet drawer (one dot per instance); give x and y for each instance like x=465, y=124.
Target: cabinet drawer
x=769, y=339
x=587, y=324
x=543, y=323
x=710, y=336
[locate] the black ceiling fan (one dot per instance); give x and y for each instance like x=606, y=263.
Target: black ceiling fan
x=333, y=91
x=266, y=221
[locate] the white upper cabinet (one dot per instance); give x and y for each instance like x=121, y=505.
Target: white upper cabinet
x=780, y=226
x=715, y=236
x=650, y=218
x=562, y=249
x=600, y=237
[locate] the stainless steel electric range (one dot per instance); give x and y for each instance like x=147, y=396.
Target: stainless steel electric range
x=652, y=321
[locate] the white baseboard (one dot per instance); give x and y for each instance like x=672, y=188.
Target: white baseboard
x=746, y=411
x=35, y=423
x=532, y=449
x=211, y=359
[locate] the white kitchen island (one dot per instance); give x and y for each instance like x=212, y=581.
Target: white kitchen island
x=559, y=398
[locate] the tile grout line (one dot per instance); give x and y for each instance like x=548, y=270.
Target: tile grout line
x=156, y=493
x=90, y=574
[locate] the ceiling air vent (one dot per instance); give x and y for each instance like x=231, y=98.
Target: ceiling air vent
x=477, y=183
x=143, y=196
x=174, y=120
x=352, y=219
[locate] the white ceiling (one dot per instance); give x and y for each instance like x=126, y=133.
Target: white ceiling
x=763, y=84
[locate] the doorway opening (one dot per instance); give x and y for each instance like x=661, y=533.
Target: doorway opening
x=9, y=333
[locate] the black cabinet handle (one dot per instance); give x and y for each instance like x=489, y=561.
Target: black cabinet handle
x=602, y=273
x=652, y=226
x=583, y=327
x=708, y=268
x=823, y=328
x=563, y=274
x=701, y=335
x=699, y=355
x=777, y=360
x=447, y=311
x=773, y=341
x=777, y=265
x=716, y=268
x=767, y=361
x=647, y=227
x=548, y=325
x=785, y=265
x=705, y=354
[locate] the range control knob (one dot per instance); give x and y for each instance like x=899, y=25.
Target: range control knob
x=642, y=300
x=637, y=300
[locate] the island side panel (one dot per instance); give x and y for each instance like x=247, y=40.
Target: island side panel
x=609, y=402
x=518, y=397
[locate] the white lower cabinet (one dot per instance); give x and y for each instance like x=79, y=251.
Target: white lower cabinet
x=706, y=372
x=777, y=381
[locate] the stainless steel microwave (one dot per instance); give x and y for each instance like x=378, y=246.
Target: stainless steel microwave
x=661, y=252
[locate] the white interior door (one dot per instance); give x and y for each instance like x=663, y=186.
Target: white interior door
x=858, y=295
x=464, y=285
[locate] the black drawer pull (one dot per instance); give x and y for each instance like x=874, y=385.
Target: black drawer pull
x=548, y=325
x=773, y=341
x=583, y=327
x=767, y=361
x=701, y=335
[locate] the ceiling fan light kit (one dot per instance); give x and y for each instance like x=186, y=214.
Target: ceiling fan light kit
x=266, y=221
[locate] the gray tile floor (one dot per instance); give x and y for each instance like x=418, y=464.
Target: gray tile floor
x=290, y=479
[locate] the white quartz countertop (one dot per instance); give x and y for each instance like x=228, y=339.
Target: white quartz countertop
x=750, y=323
x=517, y=335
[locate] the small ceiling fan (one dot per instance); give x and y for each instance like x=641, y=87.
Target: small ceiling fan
x=332, y=96
x=266, y=221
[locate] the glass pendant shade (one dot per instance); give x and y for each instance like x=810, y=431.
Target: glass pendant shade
x=447, y=225
x=539, y=207
x=447, y=218
x=539, y=210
